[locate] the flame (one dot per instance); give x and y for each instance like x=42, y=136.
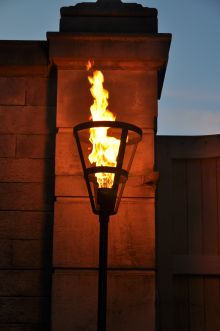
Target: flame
x=105, y=148
x=89, y=65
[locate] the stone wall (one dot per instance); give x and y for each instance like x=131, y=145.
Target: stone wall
x=27, y=127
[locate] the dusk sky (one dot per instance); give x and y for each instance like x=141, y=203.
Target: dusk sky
x=190, y=102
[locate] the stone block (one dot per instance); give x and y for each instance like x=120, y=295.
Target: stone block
x=23, y=53
x=31, y=253
x=5, y=252
x=68, y=160
x=12, y=91
x=7, y=145
x=35, y=146
x=25, y=225
x=131, y=235
x=75, y=239
x=144, y=157
x=26, y=196
x=132, y=96
x=138, y=187
x=25, y=253
x=23, y=283
x=27, y=120
x=70, y=186
x=131, y=301
x=25, y=170
x=41, y=91
x=23, y=310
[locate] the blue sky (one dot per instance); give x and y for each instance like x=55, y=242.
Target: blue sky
x=190, y=102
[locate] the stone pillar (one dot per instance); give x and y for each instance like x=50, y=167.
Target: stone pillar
x=122, y=40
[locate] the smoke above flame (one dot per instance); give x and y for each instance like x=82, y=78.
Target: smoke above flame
x=104, y=148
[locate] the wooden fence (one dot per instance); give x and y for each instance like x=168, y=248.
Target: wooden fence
x=188, y=233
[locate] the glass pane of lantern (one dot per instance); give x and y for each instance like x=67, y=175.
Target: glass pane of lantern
x=107, y=148
x=121, y=187
x=85, y=145
x=131, y=144
x=113, y=195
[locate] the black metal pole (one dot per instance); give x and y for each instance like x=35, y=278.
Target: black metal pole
x=102, y=283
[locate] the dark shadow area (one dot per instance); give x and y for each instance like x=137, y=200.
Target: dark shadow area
x=49, y=193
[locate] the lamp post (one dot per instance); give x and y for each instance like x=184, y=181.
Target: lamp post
x=105, y=198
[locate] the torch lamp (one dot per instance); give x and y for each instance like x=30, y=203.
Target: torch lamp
x=105, y=186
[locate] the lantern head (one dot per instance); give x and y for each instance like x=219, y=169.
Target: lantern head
x=106, y=161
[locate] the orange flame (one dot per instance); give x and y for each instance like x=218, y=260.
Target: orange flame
x=105, y=148
x=89, y=65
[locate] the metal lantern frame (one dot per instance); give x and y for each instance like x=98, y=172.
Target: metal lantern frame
x=105, y=201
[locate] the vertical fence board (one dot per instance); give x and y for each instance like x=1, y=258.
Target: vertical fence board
x=180, y=226
x=194, y=206
x=218, y=200
x=197, y=309
x=164, y=243
x=181, y=309
x=212, y=304
x=210, y=225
